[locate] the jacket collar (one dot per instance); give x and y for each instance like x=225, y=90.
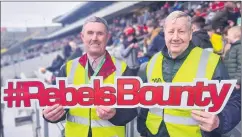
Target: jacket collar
x=107, y=69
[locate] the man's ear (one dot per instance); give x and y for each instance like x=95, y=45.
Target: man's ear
x=192, y=28
x=81, y=36
x=191, y=34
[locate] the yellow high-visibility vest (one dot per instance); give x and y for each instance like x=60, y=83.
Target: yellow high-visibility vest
x=79, y=119
x=179, y=123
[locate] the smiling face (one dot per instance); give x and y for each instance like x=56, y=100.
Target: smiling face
x=95, y=37
x=177, y=35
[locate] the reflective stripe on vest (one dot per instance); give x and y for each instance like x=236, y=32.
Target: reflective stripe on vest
x=173, y=119
x=70, y=78
x=200, y=74
x=75, y=62
x=85, y=121
x=152, y=64
x=118, y=66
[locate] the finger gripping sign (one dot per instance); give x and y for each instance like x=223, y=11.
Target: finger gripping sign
x=126, y=92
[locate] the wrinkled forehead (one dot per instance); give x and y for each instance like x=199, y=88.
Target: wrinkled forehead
x=180, y=21
x=95, y=20
x=94, y=27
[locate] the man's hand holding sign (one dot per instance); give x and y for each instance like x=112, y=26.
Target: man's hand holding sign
x=207, y=121
x=105, y=113
x=54, y=112
x=57, y=111
x=117, y=97
x=212, y=97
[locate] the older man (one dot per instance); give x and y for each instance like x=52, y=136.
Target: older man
x=181, y=61
x=100, y=121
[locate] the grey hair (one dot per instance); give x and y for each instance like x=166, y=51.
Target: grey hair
x=96, y=19
x=178, y=14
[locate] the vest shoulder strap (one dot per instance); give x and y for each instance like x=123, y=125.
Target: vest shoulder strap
x=71, y=69
x=151, y=64
x=207, y=64
x=120, y=66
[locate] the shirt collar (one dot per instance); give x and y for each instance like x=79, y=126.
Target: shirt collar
x=95, y=62
x=107, y=69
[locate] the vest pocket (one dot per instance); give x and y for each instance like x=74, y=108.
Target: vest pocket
x=115, y=131
x=75, y=130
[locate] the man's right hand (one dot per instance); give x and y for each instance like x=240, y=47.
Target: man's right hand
x=54, y=113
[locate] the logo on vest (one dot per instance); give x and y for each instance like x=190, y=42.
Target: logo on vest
x=156, y=80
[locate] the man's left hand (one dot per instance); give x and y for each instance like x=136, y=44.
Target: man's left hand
x=207, y=121
x=105, y=113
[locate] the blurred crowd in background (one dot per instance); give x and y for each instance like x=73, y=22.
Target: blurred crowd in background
x=138, y=35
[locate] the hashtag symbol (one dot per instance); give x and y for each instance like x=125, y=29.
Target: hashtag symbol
x=17, y=94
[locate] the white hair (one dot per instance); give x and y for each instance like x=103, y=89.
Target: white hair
x=96, y=19
x=178, y=14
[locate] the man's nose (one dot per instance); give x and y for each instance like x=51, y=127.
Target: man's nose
x=94, y=36
x=175, y=37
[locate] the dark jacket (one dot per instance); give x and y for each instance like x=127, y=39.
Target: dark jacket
x=77, y=53
x=229, y=117
x=123, y=115
x=232, y=60
x=130, y=55
x=220, y=20
x=110, y=41
x=56, y=64
x=156, y=45
x=201, y=39
x=67, y=51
